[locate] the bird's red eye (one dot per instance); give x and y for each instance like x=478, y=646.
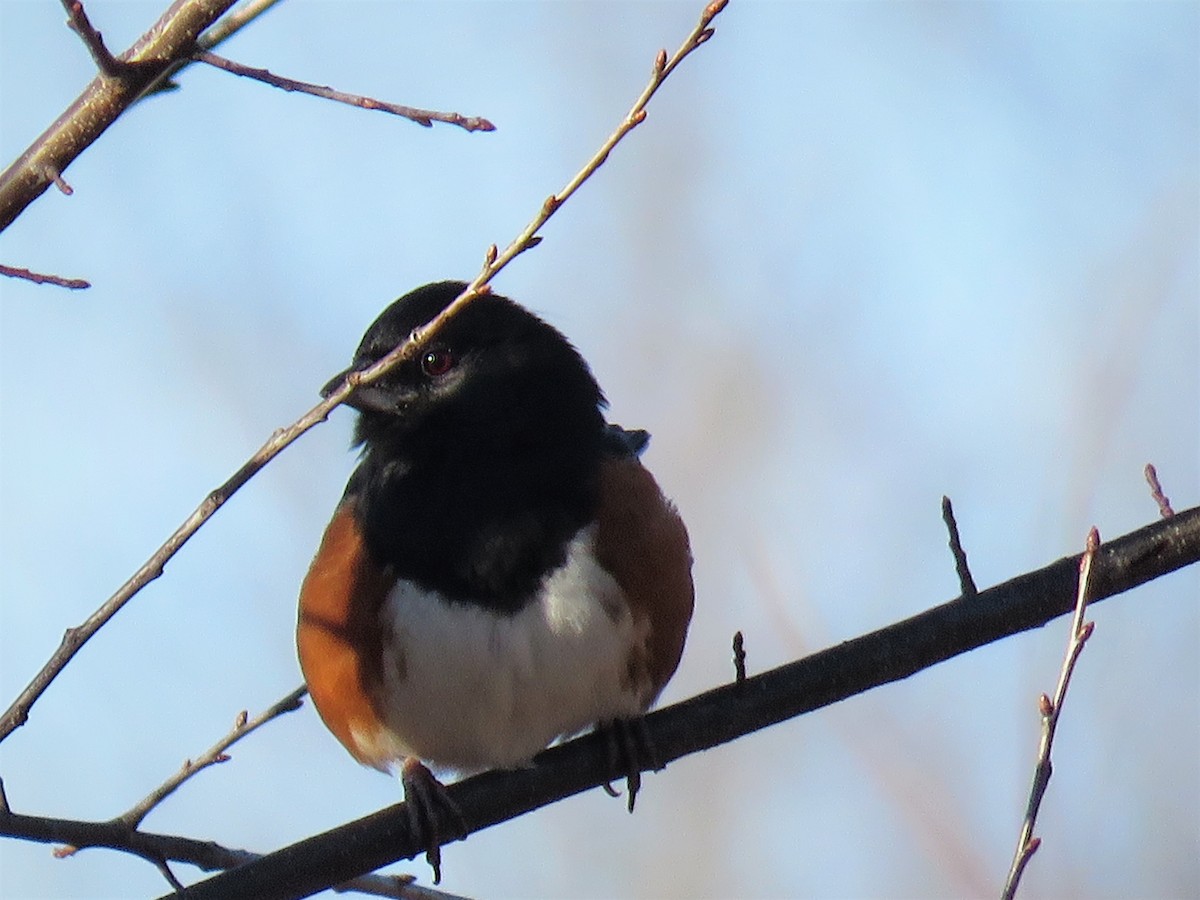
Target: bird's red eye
x=437, y=362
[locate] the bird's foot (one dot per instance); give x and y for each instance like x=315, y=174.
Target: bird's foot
x=429, y=807
x=630, y=751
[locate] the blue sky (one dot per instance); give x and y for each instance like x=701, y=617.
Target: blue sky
x=860, y=255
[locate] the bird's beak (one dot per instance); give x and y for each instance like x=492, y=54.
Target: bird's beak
x=368, y=398
x=333, y=382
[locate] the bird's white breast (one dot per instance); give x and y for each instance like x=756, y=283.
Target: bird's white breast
x=467, y=688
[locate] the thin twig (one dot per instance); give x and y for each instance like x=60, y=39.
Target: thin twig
x=425, y=117
x=165, y=869
x=78, y=21
x=965, y=581
x=75, y=284
x=1156, y=491
x=58, y=181
x=1027, y=844
x=233, y=22
x=215, y=754
x=494, y=259
x=739, y=658
x=18, y=713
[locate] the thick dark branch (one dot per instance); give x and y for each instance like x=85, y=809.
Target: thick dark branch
x=728, y=712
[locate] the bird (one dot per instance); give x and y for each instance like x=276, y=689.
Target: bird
x=501, y=572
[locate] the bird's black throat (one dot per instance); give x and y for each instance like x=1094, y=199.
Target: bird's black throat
x=480, y=521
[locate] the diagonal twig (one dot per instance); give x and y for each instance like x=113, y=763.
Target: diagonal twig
x=74, y=638
x=1027, y=843
x=495, y=260
x=215, y=754
x=424, y=117
x=78, y=20
x=231, y=23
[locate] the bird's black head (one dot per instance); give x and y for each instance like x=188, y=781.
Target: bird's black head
x=494, y=372
x=481, y=453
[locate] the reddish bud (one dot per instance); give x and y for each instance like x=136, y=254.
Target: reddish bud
x=714, y=8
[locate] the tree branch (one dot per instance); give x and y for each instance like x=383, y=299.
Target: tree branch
x=215, y=754
x=965, y=581
x=1156, y=492
x=424, y=117
x=731, y=711
x=78, y=20
x=74, y=284
x=162, y=848
x=172, y=38
x=1027, y=843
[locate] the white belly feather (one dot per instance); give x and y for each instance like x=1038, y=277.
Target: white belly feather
x=466, y=689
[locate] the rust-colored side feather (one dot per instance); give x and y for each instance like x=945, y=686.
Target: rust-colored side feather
x=338, y=636
x=641, y=540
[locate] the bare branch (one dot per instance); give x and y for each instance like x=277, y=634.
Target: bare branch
x=965, y=581
x=425, y=117
x=232, y=23
x=155, y=55
x=1156, y=491
x=78, y=21
x=18, y=713
x=728, y=712
x=160, y=849
x=1027, y=844
x=75, y=284
x=494, y=262
x=213, y=755
x=739, y=658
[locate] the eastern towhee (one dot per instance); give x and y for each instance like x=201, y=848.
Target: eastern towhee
x=501, y=571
